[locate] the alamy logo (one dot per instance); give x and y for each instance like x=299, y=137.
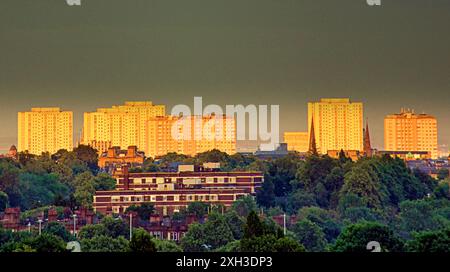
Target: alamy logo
x=73, y=2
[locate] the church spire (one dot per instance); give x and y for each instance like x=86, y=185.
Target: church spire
x=312, y=140
x=367, y=145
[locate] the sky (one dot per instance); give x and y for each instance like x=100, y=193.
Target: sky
x=271, y=52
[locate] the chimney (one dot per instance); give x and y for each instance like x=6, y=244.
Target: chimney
x=132, y=151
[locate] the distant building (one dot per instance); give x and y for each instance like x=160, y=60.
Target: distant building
x=121, y=126
x=280, y=152
x=115, y=157
x=338, y=124
x=195, y=134
x=297, y=141
x=408, y=131
x=12, y=153
x=171, y=192
x=407, y=155
x=429, y=167
x=45, y=130
x=352, y=154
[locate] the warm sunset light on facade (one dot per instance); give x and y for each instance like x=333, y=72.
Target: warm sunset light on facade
x=214, y=133
x=338, y=124
x=297, y=141
x=120, y=126
x=408, y=131
x=45, y=130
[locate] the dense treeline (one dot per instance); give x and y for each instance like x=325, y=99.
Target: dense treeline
x=63, y=179
x=338, y=204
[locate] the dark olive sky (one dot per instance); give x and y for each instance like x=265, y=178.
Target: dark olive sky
x=282, y=52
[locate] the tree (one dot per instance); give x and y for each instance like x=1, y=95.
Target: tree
x=287, y=244
x=116, y=227
x=9, y=181
x=48, y=243
x=243, y=206
x=301, y=199
x=217, y=231
x=208, y=236
x=418, y=215
x=234, y=246
x=88, y=155
x=430, y=241
x=360, y=181
x=104, y=182
x=443, y=173
x=214, y=155
x=235, y=223
x=354, y=238
x=266, y=195
x=104, y=244
x=144, y=210
x=91, y=231
x=193, y=240
x=254, y=227
x=310, y=235
x=84, y=189
x=39, y=190
x=58, y=230
x=142, y=241
x=167, y=246
x=270, y=243
x=443, y=190
x=326, y=220
x=199, y=209
x=3, y=201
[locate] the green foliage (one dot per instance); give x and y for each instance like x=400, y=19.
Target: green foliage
x=420, y=215
x=40, y=190
x=87, y=155
x=47, y=243
x=104, y=182
x=167, y=246
x=144, y=210
x=244, y=206
x=443, y=173
x=354, y=238
x=208, y=236
x=116, y=227
x=193, y=241
x=301, y=199
x=199, y=209
x=310, y=235
x=235, y=223
x=142, y=241
x=443, y=190
x=4, y=201
x=430, y=241
x=84, y=189
x=105, y=244
x=325, y=219
x=59, y=230
x=234, y=246
x=259, y=236
x=361, y=182
x=90, y=231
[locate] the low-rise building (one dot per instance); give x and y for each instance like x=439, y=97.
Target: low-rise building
x=171, y=192
x=115, y=157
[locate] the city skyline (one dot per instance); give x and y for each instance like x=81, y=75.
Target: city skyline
x=103, y=53
x=339, y=120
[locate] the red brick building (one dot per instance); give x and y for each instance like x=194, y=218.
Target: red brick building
x=170, y=192
x=116, y=157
